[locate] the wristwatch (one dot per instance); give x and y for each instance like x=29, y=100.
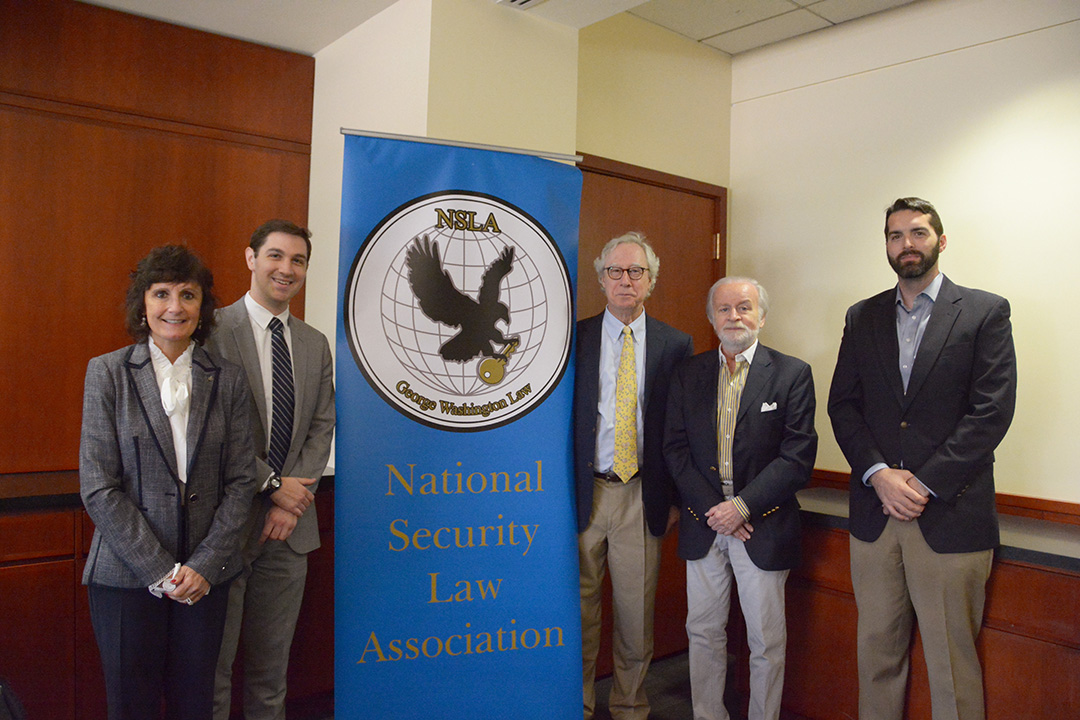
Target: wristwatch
x=274, y=483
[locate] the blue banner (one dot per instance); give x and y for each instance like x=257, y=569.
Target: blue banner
x=456, y=581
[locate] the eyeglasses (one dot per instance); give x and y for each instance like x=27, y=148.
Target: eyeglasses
x=635, y=272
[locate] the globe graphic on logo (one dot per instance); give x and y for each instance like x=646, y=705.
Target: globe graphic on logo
x=415, y=339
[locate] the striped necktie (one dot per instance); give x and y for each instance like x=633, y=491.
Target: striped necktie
x=282, y=393
x=625, y=465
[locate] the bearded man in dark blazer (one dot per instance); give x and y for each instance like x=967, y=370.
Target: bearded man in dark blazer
x=740, y=442
x=923, y=392
x=625, y=496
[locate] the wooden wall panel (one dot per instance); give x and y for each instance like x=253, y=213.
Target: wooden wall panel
x=119, y=134
x=36, y=638
x=1037, y=602
x=1026, y=678
x=1029, y=644
x=820, y=680
x=33, y=535
x=89, y=201
x=87, y=55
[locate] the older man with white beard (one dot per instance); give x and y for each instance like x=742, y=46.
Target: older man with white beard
x=739, y=442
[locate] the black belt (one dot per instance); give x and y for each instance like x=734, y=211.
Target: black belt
x=612, y=477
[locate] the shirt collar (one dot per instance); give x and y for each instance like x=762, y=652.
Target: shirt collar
x=260, y=315
x=746, y=355
x=931, y=291
x=162, y=363
x=613, y=326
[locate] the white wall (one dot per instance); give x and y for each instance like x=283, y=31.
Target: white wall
x=971, y=104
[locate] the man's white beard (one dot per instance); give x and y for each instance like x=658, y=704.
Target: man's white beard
x=745, y=338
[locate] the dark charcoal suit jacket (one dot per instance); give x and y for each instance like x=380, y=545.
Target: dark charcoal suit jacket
x=773, y=450
x=944, y=429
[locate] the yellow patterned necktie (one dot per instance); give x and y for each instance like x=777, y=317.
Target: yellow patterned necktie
x=625, y=465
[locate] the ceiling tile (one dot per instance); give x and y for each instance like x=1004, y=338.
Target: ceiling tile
x=838, y=11
x=699, y=19
x=768, y=31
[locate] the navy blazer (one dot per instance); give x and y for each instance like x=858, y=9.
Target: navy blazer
x=944, y=429
x=773, y=451
x=665, y=347
x=145, y=519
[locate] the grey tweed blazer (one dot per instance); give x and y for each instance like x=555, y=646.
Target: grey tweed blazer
x=145, y=519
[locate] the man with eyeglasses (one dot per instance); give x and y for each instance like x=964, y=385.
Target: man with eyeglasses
x=626, y=499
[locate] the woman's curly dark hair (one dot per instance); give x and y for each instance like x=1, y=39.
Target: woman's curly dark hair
x=169, y=264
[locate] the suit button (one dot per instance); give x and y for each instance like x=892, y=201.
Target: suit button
x=895, y=467
x=193, y=498
x=903, y=425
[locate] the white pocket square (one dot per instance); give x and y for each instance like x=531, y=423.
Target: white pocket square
x=768, y=407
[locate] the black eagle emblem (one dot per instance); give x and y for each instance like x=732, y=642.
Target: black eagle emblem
x=441, y=301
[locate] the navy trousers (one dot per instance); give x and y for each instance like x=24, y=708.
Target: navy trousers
x=156, y=650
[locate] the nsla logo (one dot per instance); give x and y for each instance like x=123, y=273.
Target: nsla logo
x=458, y=311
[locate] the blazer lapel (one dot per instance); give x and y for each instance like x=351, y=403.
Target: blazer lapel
x=710, y=388
x=942, y=318
x=589, y=345
x=654, y=352
x=204, y=374
x=708, y=385
x=884, y=339
x=245, y=344
x=140, y=370
x=757, y=377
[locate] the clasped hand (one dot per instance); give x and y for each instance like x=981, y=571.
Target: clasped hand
x=726, y=519
x=902, y=495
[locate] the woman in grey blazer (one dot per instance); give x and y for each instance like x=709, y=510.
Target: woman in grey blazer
x=167, y=474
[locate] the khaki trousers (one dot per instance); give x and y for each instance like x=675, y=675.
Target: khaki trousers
x=618, y=538
x=898, y=578
x=708, y=599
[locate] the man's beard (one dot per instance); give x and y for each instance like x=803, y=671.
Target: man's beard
x=735, y=341
x=915, y=270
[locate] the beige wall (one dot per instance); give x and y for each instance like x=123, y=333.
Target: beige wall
x=500, y=76
x=649, y=97
x=972, y=104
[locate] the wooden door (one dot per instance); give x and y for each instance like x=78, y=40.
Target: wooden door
x=685, y=221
